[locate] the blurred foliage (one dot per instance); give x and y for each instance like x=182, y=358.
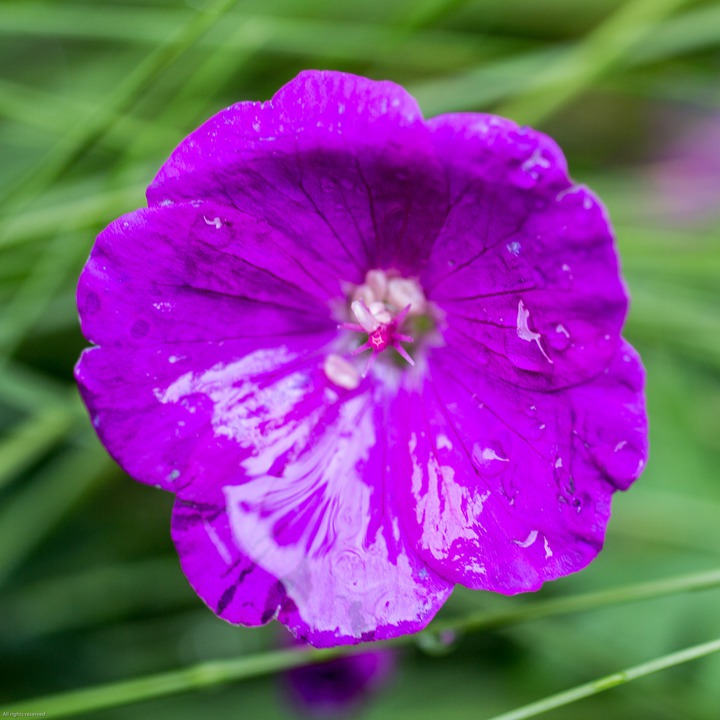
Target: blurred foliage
x=94, y=94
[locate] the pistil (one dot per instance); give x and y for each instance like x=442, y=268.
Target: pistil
x=379, y=307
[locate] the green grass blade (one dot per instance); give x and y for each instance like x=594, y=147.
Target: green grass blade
x=610, y=681
x=219, y=672
x=525, y=612
x=601, y=50
x=205, y=675
x=30, y=441
x=35, y=509
x=83, y=136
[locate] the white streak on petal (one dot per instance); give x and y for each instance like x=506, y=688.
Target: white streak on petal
x=217, y=542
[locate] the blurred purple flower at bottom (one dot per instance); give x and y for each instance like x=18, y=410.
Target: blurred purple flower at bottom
x=339, y=687
x=372, y=355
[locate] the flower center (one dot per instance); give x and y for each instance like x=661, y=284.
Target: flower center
x=384, y=308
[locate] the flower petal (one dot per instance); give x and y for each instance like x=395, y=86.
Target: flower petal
x=192, y=273
x=149, y=414
x=298, y=487
x=508, y=488
x=175, y=289
x=234, y=587
x=525, y=268
x=343, y=165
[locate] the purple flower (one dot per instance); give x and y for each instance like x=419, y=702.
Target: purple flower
x=338, y=687
x=685, y=182
x=372, y=355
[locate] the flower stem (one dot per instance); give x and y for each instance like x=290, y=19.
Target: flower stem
x=578, y=603
x=224, y=671
x=610, y=681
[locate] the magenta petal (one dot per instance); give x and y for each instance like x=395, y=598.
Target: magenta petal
x=195, y=273
x=343, y=165
x=232, y=586
x=525, y=268
x=510, y=488
x=175, y=289
x=152, y=415
x=298, y=487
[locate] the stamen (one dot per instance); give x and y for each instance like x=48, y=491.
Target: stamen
x=341, y=373
x=403, y=292
x=363, y=315
x=377, y=281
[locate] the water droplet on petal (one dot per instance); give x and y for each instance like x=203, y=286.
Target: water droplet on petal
x=528, y=541
x=534, y=430
x=563, y=479
x=558, y=337
x=525, y=178
x=624, y=462
x=490, y=460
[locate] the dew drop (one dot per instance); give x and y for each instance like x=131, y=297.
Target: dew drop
x=558, y=337
x=565, y=277
x=513, y=248
x=490, y=460
x=525, y=178
x=528, y=541
x=437, y=643
x=624, y=462
x=563, y=478
x=535, y=430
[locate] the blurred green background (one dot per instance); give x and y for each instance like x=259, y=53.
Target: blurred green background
x=94, y=94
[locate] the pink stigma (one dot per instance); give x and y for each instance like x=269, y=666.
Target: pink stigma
x=380, y=334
